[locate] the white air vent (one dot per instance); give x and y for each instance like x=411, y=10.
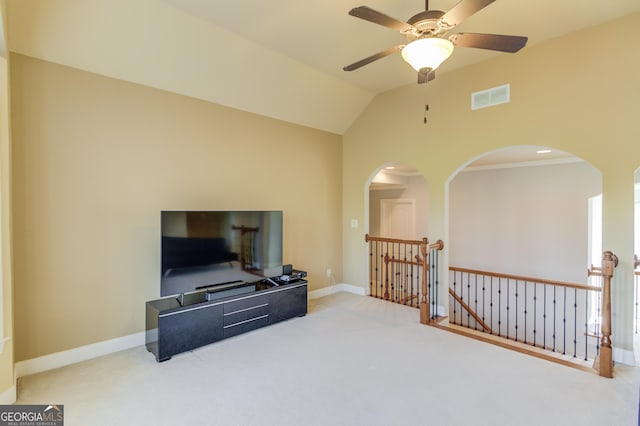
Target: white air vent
x=490, y=97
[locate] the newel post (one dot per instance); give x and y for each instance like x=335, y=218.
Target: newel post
x=604, y=361
x=425, y=315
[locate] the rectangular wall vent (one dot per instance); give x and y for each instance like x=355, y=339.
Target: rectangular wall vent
x=490, y=97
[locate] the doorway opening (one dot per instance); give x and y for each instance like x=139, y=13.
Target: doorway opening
x=398, y=252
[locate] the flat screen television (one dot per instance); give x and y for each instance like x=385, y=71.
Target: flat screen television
x=204, y=249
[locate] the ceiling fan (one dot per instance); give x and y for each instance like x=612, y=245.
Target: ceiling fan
x=428, y=43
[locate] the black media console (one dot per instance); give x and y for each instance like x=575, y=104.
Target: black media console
x=179, y=324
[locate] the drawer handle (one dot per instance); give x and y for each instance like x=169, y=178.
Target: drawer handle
x=246, y=321
x=247, y=309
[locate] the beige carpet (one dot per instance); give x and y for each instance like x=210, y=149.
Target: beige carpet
x=352, y=360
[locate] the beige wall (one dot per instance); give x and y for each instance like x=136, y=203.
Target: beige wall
x=530, y=221
x=96, y=159
x=577, y=93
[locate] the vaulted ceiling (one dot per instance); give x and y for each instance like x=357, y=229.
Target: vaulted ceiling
x=278, y=58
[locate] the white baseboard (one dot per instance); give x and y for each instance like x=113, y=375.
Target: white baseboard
x=9, y=396
x=440, y=311
x=327, y=291
x=83, y=353
x=624, y=356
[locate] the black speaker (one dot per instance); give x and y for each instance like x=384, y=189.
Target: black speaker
x=287, y=269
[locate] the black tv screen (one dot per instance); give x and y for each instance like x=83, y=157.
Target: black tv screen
x=202, y=249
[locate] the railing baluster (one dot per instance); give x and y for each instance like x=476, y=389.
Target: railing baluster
x=508, y=307
x=484, y=306
x=468, y=298
x=370, y=266
x=454, y=301
x=575, y=321
x=434, y=262
x=411, y=273
x=499, y=306
x=516, y=311
x=418, y=286
x=544, y=317
x=524, y=339
x=586, y=325
x=535, y=312
x=491, y=304
x=564, y=322
x=475, y=324
x=378, y=269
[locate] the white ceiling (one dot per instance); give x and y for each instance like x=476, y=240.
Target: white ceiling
x=322, y=34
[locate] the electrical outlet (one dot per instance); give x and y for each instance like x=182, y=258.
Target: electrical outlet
x=329, y=273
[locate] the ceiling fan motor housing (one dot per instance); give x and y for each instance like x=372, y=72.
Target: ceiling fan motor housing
x=426, y=22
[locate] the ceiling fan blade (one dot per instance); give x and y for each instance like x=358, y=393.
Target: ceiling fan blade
x=501, y=43
x=426, y=76
x=368, y=14
x=372, y=58
x=462, y=11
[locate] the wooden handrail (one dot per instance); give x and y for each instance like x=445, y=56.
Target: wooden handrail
x=471, y=312
x=368, y=238
x=438, y=245
x=528, y=279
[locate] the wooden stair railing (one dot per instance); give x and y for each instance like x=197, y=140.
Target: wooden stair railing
x=568, y=296
x=470, y=311
x=418, y=259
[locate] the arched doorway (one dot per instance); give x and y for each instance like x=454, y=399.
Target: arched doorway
x=523, y=223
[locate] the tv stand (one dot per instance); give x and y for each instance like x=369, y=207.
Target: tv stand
x=176, y=325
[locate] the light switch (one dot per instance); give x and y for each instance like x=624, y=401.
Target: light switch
x=354, y=223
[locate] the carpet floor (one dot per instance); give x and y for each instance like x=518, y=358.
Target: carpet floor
x=352, y=360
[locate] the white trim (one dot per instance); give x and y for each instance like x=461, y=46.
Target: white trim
x=5, y=339
x=401, y=173
x=532, y=163
x=441, y=311
x=624, y=356
x=9, y=396
x=83, y=353
x=327, y=291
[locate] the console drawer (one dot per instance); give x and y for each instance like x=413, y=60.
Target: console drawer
x=245, y=314
x=245, y=303
x=248, y=325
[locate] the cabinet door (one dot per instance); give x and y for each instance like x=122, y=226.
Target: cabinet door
x=287, y=303
x=189, y=329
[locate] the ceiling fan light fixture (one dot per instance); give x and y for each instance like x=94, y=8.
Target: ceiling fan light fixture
x=427, y=52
